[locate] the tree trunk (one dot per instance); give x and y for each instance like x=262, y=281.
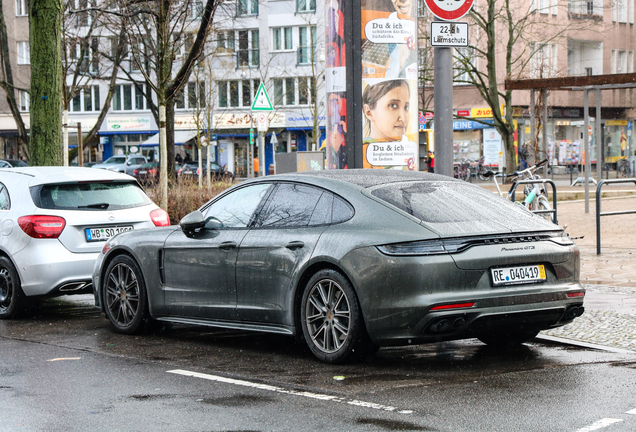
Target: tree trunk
x=46, y=81
x=170, y=140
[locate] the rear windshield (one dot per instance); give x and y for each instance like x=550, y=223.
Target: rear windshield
x=89, y=196
x=454, y=208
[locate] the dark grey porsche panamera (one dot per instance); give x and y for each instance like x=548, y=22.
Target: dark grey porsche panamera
x=351, y=260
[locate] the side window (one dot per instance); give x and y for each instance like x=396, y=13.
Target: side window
x=5, y=202
x=322, y=212
x=342, y=210
x=291, y=205
x=235, y=210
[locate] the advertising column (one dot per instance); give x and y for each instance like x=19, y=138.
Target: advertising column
x=372, y=104
x=389, y=84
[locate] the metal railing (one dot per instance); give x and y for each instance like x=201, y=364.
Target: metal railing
x=615, y=213
x=553, y=211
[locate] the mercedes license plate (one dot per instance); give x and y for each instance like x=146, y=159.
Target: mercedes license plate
x=103, y=234
x=518, y=275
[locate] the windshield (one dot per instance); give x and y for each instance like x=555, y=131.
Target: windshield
x=116, y=160
x=89, y=196
x=456, y=208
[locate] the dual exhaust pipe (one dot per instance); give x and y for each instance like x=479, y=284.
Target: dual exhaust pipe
x=573, y=312
x=446, y=325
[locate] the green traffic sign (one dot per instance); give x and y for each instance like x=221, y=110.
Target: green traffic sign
x=261, y=101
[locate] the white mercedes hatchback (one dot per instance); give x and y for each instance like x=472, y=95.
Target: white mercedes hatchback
x=54, y=221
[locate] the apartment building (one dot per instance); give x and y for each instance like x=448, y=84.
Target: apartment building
x=275, y=42
x=17, y=23
x=563, y=38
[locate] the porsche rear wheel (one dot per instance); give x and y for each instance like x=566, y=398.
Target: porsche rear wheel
x=124, y=292
x=332, y=322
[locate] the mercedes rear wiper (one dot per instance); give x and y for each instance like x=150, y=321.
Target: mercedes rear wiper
x=101, y=206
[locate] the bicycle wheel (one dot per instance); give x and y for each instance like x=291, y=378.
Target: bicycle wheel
x=544, y=204
x=623, y=171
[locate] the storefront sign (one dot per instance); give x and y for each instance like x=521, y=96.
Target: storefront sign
x=303, y=121
x=87, y=123
x=246, y=120
x=616, y=122
x=186, y=122
x=130, y=123
x=463, y=113
x=481, y=112
x=469, y=124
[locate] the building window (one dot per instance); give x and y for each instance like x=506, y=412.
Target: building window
x=293, y=91
x=282, y=39
x=248, y=53
x=305, y=5
x=464, y=62
x=225, y=42
x=589, y=71
x=195, y=9
x=127, y=96
x=192, y=96
x=86, y=54
x=621, y=65
x=21, y=8
x=24, y=53
x=236, y=94
x=85, y=100
x=630, y=62
x=544, y=60
x=307, y=41
x=25, y=100
x=247, y=7
x=85, y=17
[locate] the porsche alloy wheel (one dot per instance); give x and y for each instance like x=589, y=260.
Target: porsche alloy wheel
x=331, y=319
x=125, y=295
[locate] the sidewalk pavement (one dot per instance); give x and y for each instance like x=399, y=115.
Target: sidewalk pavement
x=609, y=278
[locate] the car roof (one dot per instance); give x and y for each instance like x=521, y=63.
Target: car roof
x=365, y=178
x=45, y=175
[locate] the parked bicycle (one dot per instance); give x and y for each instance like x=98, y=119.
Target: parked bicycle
x=461, y=170
x=535, y=196
x=622, y=168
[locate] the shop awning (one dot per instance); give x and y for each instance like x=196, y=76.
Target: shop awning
x=180, y=138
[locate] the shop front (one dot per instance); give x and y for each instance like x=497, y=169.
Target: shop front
x=123, y=135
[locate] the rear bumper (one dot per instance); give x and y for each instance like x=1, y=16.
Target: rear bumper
x=520, y=313
x=47, y=268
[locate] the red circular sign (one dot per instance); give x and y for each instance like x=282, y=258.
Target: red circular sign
x=449, y=9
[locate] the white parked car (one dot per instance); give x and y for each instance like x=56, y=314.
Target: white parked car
x=125, y=164
x=54, y=221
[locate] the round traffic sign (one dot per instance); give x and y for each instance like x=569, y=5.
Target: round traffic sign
x=449, y=9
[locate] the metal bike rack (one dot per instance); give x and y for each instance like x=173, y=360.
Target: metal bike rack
x=598, y=208
x=543, y=181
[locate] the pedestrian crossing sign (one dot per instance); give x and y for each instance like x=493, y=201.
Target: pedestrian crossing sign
x=261, y=101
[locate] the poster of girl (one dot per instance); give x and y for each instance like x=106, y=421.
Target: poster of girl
x=388, y=141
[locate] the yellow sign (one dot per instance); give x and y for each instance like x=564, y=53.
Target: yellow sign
x=615, y=122
x=485, y=112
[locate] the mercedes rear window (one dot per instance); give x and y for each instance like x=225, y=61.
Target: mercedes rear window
x=454, y=208
x=89, y=196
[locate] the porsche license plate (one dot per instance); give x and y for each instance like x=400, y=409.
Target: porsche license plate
x=518, y=275
x=103, y=234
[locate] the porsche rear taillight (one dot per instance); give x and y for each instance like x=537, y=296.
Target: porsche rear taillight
x=160, y=217
x=39, y=226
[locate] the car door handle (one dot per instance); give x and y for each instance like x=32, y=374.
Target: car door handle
x=294, y=245
x=227, y=245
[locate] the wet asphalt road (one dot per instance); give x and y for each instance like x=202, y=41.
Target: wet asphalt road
x=65, y=370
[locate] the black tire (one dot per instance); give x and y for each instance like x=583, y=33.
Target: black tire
x=508, y=340
x=124, y=296
x=332, y=321
x=12, y=299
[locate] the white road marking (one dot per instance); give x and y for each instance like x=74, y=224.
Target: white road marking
x=275, y=389
x=64, y=359
x=631, y=412
x=600, y=424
